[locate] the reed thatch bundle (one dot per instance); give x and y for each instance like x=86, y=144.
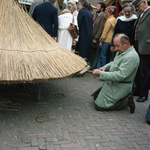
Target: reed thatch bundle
x=27, y=52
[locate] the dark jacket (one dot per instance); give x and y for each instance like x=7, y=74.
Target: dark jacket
x=85, y=23
x=47, y=16
x=125, y=27
x=143, y=34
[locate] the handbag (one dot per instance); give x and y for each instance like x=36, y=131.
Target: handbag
x=73, y=29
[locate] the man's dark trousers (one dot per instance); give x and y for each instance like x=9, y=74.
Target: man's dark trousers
x=141, y=74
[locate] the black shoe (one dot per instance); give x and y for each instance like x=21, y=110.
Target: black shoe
x=131, y=104
x=148, y=122
x=141, y=99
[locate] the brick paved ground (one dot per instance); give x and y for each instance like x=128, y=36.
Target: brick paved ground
x=65, y=119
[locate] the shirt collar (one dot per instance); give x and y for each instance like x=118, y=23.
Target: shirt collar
x=100, y=13
x=144, y=11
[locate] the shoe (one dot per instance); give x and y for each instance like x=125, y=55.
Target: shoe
x=148, y=122
x=141, y=99
x=131, y=104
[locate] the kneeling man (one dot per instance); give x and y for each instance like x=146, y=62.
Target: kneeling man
x=118, y=75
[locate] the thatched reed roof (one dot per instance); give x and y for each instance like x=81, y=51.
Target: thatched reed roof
x=27, y=52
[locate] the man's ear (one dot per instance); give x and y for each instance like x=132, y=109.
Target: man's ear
x=125, y=43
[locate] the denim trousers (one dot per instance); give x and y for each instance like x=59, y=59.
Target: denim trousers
x=103, y=55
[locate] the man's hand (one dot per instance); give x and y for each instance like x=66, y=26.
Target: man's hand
x=74, y=42
x=54, y=38
x=100, y=44
x=102, y=69
x=94, y=41
x=96, y=72
x=112, y=48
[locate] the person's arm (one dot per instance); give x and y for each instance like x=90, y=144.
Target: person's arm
x=105, y=31
x=76, y=24
x=101, y=28
x=80, y=18
x=126, y=67
x=96, y=72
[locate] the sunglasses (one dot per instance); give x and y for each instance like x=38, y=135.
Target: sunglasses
x=138, y=4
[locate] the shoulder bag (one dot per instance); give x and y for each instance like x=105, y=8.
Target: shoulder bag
x=73, y=29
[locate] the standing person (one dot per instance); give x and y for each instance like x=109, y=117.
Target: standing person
x=47, y=16
x=107, y=35
x=64, y=21
x=85, y=24
x=98, y=26
x=125, y=23
x=118, y=76
x=141, y=41
x=73, y=8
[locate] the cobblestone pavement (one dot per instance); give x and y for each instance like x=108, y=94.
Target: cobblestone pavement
x=65, y=119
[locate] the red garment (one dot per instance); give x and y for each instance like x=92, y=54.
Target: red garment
x=95, y=18
x=120, y=13
x=117, y=5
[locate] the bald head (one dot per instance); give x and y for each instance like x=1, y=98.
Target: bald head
x=123, y=38
x=121, y=42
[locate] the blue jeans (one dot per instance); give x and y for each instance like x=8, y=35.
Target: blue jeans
x=103, y=55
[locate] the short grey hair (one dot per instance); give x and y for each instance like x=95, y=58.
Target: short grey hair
x=84, y=3
x=73, y=4
x=128, y=5
x=51, y=1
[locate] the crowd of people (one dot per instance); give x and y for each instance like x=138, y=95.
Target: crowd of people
x=117, y=48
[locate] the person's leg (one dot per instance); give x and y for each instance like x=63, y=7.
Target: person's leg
x=95, y=55
x=136, y=80
x=121, y=104
x=147, y=117
x=143, y=71
x=109, y=56
x=99, y=108
x=136, y=88
x=103, y=55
